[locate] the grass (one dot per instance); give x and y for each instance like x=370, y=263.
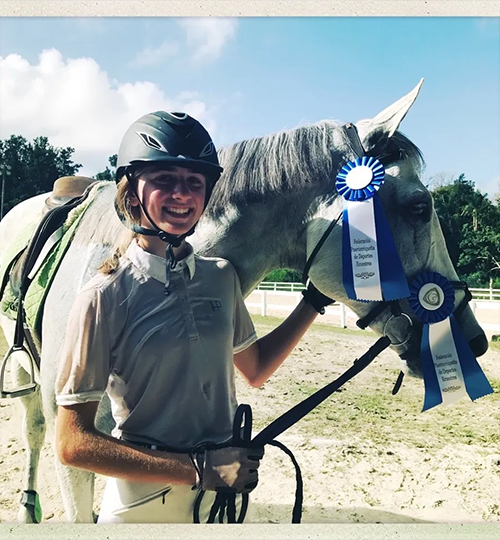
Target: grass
x=365, y=410
x=495, y=345
x=266, y=324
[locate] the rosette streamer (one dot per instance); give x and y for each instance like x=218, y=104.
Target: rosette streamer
x=449, y=367
x=371, y=268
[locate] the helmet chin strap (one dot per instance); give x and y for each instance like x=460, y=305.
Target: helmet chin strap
x=172, y=241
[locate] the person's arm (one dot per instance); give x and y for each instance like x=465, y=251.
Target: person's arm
x=80, y=444
x=81, y=382
x=261, y=359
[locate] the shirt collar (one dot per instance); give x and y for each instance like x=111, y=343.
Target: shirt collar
x=155, y=266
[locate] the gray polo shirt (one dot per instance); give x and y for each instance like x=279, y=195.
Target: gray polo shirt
x=165, y=361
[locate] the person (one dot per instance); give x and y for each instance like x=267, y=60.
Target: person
x=160, y=330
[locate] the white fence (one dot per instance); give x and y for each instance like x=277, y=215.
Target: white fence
x=271, y=301
x=275, y=298
x=477, y=294
x=485, y=294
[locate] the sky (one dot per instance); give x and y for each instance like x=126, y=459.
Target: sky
x=82, y=81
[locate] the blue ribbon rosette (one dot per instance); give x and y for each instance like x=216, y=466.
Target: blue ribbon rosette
x=371, y=268
x=449, y=367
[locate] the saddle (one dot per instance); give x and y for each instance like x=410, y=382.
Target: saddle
x=31, y=267
x=68, y=192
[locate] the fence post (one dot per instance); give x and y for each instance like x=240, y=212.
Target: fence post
x=491, y=289
x=342, y=316
x=264, y=303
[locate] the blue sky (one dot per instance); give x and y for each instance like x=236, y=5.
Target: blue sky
x=247, y=77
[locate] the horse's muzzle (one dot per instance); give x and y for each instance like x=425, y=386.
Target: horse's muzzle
x=479, y=345
x=412, y=356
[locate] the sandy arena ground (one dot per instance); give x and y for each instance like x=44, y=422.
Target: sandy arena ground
x=362, y=460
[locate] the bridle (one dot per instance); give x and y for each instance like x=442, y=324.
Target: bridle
x=396, y=311
x=394, y=305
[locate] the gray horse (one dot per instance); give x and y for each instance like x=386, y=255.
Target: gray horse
x=270, y=208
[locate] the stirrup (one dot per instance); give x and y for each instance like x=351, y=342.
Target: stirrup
x=21, y=390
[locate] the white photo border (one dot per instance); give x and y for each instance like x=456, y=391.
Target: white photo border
x=256, y=8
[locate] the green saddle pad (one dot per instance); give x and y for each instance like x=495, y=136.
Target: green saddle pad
x=39, y=287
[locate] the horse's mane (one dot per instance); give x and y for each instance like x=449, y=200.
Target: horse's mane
x=286, y=161
x=283, y=162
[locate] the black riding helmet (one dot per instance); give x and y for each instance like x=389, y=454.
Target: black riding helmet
x=174, y=138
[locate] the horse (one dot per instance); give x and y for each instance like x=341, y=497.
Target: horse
x=270, y=208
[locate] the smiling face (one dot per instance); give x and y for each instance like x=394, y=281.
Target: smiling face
x=174, y=198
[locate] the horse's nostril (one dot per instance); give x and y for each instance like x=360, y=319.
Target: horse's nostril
x=419, y=208
x=478, y=345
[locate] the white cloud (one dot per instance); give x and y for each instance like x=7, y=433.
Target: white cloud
x=203, y=40
x=75, y=103
x=152, y=56
x=207, y=37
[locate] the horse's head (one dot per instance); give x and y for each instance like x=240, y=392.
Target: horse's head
x=415, y=226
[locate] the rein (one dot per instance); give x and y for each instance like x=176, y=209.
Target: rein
x=225, y=500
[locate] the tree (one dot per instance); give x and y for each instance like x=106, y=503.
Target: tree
x=473, y=222
x=284, y=275
x=34, y=167
x=108, y=174
x=439, y=180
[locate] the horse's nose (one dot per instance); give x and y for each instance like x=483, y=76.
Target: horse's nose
x=478, y=345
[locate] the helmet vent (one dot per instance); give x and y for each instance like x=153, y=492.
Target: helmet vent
x=151, y=142
x=179, y=115
x=208, y=150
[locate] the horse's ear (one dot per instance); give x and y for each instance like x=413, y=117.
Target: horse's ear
x=384, y=125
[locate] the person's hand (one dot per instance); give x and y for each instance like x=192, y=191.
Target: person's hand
x=317, y=299
x=230, y=467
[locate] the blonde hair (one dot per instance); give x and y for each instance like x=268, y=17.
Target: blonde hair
x=131, y=213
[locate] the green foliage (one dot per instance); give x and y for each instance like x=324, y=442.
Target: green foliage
x=476, y=279
x=108, y=174
x=284, y=275
x=473, y=224
x=34, y=167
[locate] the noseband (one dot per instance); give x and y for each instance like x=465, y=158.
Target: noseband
x=396, y=310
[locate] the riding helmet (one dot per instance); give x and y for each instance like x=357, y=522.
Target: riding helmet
x=174, y=138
